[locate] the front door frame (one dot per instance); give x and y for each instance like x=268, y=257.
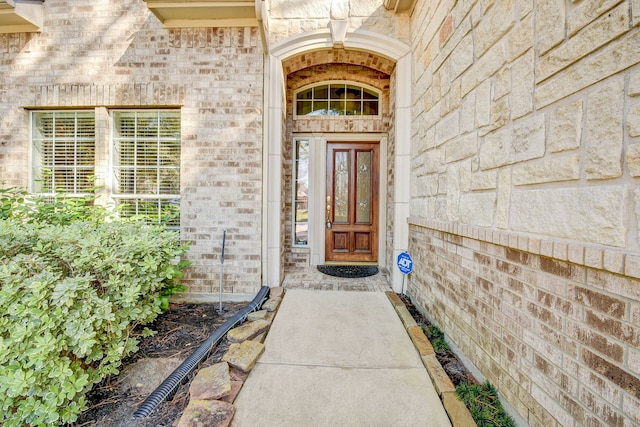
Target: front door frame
x=318, y=193
x=319, y=159
x=274, y=132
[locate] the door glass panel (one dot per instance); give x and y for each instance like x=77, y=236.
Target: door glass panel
x=341, y=186
x=363, y=187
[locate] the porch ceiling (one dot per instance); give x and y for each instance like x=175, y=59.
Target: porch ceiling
x=205, y=13
x=20, y=16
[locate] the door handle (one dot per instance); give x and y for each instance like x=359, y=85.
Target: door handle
x=328, y=212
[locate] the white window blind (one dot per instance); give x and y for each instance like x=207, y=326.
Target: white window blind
x=146, y=163
x=63, y=151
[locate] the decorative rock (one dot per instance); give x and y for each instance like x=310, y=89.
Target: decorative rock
x=207, y=413
x=457, y=411
x=276, y=292
x=237, y=375
x=257, y=315
x=235, y=389
x=146, y=375
x=272, y=304
x=439, y=377
x=395, y=299
x=243, y=356
x=247, y=331
x=259, y=338
x=405, y=316
x=211, y=383
x=420, y=341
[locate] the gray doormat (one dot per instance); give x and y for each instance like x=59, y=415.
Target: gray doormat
x=349, y=271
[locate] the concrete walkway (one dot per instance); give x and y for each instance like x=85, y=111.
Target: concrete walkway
x=338, y=359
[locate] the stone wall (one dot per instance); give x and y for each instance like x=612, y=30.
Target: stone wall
x=524, y=198
x=114, y=54
x=291, y=17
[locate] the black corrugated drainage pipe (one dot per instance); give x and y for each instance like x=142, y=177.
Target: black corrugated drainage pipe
x=178, y=376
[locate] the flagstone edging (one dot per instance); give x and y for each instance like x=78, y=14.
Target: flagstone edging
x=456, y=409
x=232, y=371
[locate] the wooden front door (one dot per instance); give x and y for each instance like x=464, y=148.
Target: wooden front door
x=351, y=208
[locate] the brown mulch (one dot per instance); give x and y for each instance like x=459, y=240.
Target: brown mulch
x=179, y=332
x=454, y=368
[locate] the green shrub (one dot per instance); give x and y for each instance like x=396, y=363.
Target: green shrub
x=436, y=336
x=60, y=208
x=484, y=405
x=73, y=289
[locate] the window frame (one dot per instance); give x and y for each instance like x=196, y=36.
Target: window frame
x=330, y=100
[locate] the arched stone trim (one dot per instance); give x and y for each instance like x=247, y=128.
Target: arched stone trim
x=343, y=56
x=318, y=40
x=363, y=40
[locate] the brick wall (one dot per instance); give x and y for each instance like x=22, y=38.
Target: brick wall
x=115, y=53
x=524, y=195
x=559, y=338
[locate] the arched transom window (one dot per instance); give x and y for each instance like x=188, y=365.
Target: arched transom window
x=337, y=99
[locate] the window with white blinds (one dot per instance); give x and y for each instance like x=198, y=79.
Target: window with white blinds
x=63, y=151
x=146, y=163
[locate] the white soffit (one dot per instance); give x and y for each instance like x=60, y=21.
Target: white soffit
x=205, y=13
x=20, y=16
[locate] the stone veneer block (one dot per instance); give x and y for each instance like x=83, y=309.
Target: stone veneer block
x=248, y=330
x=395, y=299
x=272, y=304
x=211, y=383
x=420, y=341
x=244, y=355
x=405, y=316
x=207, y=413
x=614, y=261
x=439, y=377
x=576, y=253
x=457, y=411
x=632, y=265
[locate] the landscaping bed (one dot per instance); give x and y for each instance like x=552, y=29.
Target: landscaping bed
x=454, y=368
x=481, y=399
x=179, y=332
